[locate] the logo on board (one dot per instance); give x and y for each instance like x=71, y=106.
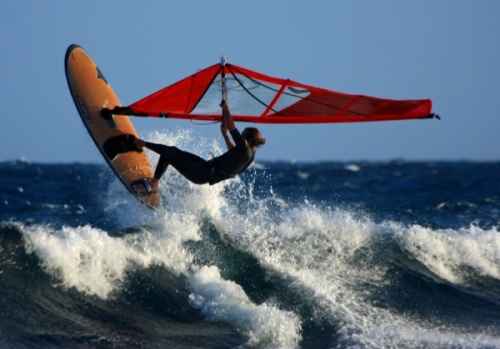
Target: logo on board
x=84, y=112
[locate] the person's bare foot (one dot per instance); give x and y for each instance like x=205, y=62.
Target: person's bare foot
x=154, y=182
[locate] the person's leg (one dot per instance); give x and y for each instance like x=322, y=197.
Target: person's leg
x=191, y=166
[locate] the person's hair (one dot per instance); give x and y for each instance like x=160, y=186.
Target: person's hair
x=253, y=137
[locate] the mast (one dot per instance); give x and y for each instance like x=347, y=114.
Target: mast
x=223, y=78
x=223, y=84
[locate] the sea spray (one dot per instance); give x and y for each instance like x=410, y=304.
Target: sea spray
x=271, y=246
x=95, y=263
x=338, y=258
x=223, y=300
x=84, y=257
x=460, y=257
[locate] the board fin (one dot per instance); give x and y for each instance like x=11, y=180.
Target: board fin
x=118, y=145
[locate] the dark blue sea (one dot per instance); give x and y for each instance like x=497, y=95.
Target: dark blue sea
x=390, y=254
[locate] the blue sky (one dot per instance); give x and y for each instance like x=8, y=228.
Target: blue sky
x=448, y=51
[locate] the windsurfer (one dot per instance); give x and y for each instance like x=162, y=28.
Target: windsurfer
x=238, y=157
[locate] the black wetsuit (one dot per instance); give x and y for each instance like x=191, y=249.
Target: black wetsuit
x=201, y=171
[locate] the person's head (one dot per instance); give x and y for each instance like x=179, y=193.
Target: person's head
x=253, y=137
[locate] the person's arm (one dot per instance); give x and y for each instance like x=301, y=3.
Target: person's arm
x=161, y=168
x=229, y=142
x=228, y=121
x=227, y=124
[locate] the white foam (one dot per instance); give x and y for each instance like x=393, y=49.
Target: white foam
x=352, y=167
x=448, y=252
x=84, y=258
x=219, y=299
x=324, y=254
x=327, y=255
x=178, y=194
x=89, y=260
x=222, y=300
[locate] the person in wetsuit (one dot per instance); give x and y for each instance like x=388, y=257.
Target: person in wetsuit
x=238, y=157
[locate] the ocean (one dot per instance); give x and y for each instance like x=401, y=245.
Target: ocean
x=396, y=254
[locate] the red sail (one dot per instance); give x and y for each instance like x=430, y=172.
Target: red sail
x=258, y=98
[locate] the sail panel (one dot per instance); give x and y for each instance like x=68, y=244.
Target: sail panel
x=259, y=98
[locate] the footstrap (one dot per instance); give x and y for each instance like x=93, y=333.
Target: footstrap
x=119, y=144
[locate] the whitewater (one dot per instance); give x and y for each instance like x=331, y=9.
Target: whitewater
x=289, y=255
